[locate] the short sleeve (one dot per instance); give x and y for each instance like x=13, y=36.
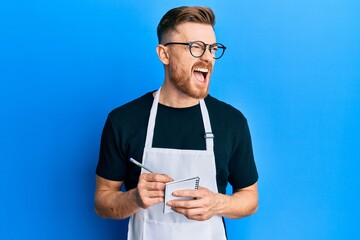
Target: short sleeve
x=111, y=164
x=243, y=172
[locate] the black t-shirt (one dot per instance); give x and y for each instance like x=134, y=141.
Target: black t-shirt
x=125, y=129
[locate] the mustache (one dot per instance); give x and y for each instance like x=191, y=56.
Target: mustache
x=203, y=65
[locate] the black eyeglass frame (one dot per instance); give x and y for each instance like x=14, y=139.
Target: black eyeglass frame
x=206, y=46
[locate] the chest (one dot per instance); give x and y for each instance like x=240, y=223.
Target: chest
x=179, y=129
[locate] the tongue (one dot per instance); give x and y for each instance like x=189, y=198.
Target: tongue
x=199, y=76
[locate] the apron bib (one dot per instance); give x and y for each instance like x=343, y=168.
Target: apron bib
x=151, y=223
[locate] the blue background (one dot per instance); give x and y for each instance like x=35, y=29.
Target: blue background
x=292, y=67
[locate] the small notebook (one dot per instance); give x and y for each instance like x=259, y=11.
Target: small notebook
x=183, y=184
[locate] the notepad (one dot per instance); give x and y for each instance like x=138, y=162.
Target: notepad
x=183, y=184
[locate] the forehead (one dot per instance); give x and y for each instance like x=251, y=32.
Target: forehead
x=194, y=32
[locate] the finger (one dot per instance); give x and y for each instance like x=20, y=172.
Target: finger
x=151, y=189
x=199, y=217
x=189, y=213
x=154, y=186
x=185, y=204
x=145, y=198
x=157, y=200
x=155, y=194
x=188, y=193
x=195, y=213
x=155, y=177
x=148, y=202
x=198, y=214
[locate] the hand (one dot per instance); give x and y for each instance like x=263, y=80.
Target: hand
x=150, y=189
x=203, y=207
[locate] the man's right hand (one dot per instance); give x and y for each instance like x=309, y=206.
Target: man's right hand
x=150, y=189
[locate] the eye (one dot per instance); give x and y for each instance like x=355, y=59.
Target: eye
x=197, y=45
x=214, y=48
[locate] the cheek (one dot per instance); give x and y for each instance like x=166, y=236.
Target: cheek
x=182, y=68
x=183, y=60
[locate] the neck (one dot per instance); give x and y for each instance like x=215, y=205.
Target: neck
x=172, y=97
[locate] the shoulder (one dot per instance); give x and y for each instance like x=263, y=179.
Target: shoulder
x=133, y=108
x=133, y=113
x=225, y=113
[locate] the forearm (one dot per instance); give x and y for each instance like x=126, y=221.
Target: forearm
x=112, y=203
x=116, y=204
x=240, y=204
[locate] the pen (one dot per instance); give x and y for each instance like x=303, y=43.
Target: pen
x=140, y=165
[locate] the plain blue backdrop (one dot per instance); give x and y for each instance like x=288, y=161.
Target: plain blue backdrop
x=292, y=67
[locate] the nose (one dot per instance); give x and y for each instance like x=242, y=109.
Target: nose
x=207, y=56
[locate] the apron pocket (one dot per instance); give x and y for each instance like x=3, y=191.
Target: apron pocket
x=177, y=231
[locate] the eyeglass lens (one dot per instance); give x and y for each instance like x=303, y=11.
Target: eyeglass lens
x=198, y=48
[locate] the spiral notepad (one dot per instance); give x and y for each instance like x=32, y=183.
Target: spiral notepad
x=183, y=184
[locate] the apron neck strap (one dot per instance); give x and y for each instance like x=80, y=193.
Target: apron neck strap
x=208, y=135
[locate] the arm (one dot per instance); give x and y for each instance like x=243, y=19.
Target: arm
x=110, y=202
x=241, y=203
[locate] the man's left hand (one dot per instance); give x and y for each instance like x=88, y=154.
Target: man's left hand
x=205, y=205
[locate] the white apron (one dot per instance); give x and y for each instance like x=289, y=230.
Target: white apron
x=151, y=223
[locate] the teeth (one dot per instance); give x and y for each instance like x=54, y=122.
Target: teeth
x=204, y=70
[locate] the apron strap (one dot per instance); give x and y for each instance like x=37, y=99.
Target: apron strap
x=208, y=135
x=152, y=118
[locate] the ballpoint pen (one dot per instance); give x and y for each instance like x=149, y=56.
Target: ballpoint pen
x=140, y=165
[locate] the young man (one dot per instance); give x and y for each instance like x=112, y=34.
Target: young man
x=178, y=131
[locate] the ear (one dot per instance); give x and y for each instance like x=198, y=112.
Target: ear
x=163, y=54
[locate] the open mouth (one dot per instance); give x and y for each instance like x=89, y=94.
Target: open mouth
x=201, y=74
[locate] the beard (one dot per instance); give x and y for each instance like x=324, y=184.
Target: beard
x=184, y=82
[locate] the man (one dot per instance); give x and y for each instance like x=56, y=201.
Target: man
x=178, y=131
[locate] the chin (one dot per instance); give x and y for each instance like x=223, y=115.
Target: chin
x=197, y=93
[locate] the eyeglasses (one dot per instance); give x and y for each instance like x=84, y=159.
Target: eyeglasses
x=198, y=48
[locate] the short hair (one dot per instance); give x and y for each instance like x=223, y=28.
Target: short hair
x=176, y=16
